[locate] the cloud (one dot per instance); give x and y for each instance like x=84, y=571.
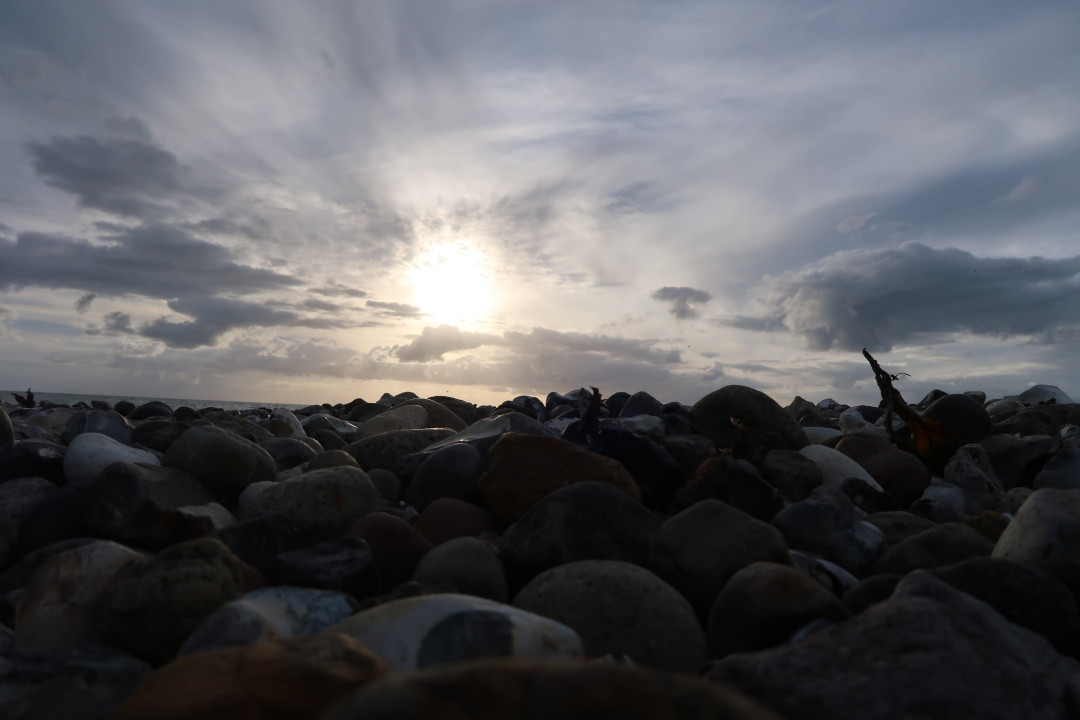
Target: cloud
x=886, y=297
x=334, y=289
x=683, y=301
x=625, y=348
x=434, y=342
x=1027, y=187
x=161, y=261
x=393, y=309
x=84, y=301
x=131, y=178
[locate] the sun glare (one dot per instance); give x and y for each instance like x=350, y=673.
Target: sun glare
x=452, y=284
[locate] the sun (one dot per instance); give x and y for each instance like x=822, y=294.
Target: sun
x=452, y=283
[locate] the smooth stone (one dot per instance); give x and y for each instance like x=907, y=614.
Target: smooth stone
x=438, y=415
x=448, y=518
x=153, y=605
x=828, y=574
x=970, y=469
x=622, y=610
x=243, y=427
x=397, y=451
x=324, y=421
x=852, y=422
x=17, y=499
x=1023, y=595
x=396, y=546
x=1044, y=395
x=698, y=549
x=484, y=433
x=209, y=518
x=641, y=403
x=283, y=423
x=51, y=419
x=1018, y=496
x=279, y=680
x=7, y=431
x=109, y=423
x=1017, y=466
x=524, y=469
x=259, y=540
x=836, y=467
x=929, y=651
x=763, y=604
x=124, y=407
x=452, y=471
x=1045, y=534
x=650, y=425
x=654, y=471
x=272, y=613
x=88, y=682
x=321, y=504
x=583, y=521
x=387, y=484
x=989, y=523
x=940, y=545
x=1003, y=408
x=410, y=417
x=758, y=414
x=90, y=453
x=532, y=690
x=899, y=473
x=33, y=458
x=345, y=564
x=57, y=607
x=56, y=517
x=469, y=564
x=288, y=452
x=1061, y=471
x=447, y=628
x=1028, y=422
x=792, y=473
x=898, y=525
x=941, y=502
x=820, y=435
x=332, y=458
x=870, y=591
x=221, y=460
x=832, y=532
x=467, y=411
x=154, y=408
x=159, y=435
x=961, y=415
x=735, y=482
x=867, y=498
x=328, y=439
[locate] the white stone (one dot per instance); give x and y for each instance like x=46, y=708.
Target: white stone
x=836, y=466
x=853, y=423
x=90, y=453
x=819, y=435
x=283, y=423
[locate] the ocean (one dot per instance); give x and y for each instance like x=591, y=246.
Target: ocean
x=7, y=396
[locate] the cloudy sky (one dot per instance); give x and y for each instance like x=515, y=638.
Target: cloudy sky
x=271, y=200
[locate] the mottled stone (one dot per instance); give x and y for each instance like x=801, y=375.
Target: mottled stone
x=221, y=460
x=280, y=680
x=620, y=609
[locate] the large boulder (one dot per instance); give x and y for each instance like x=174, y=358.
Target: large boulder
x=758, y=415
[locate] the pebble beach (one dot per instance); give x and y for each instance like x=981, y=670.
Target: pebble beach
x=577, y=555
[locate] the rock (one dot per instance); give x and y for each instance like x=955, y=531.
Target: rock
x=899, y=473
x=467, y=411
x=57, y=607
x=243, y=427
x=836, y=467
x=899, y=525
x=763, y=604
x=412, y=417
x=524, y=469
x=259, y=540
x=52, y=420
x=7, y=432
x=1045, y=534
x=792, y=473
x=332, y=458
x=940, y=545
x=735, y=482
x=284, y=424
x=272, y=613
x=221, y=460
x=33, y=458
x=531, y=690
x=446, y=628
x=154, y=408
x=584, y=521
x=929, y=651
x=159, y=435
x=1029, y=422
x=1061, y=471
x=828, y=574
x=448, y=518
x=853, y=424
x=295, y=678
x=452, y=471
x=642, y=403
x=89, y=454
x=1044, y=395
x=1023, y=595
x=470, y=565
x=438, y=415
x=483, y=434
x=970, y=470
x=323, y=421
x=832, y=532
x=153, y=606
x=345, y=564
x=821, y=435
x=320, y=504
x=871, y=591
x=387, y=483
x=88, y=682
x=17, y=499
x=757, y=413
x=21, y=570
x=621, y=610
x=109, y=423
x=396, y=546
x=656, y=474
x=866, y=498
x=207, y=519
x=395, y=450
x=288, y=452
x=1017, y=466
x=698, y=549
x=989, y=523
x=961, y=415
x=56, y=517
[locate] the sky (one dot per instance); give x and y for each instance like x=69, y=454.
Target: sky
x=311, y=202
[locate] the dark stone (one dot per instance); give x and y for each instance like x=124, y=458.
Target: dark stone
x=396, y=546
x=258, y=540
x=451, y=471
x=871, y=591
x=329, y=439
x=7, y=431
x=655, y=472
x=238, y=426
x=830, y=531
x=154, y=408
x=221, y=460
x=108, y=423
x=331, y=458
x=185, y=414
x=57, y=517
x=467, y=411
x=868, y=498
x=288, y=452
x=33, y=458
x=124, y=407
x=1018, y=465
x=792, y=473
x=941, y=545
x=757, y=413
x=737, y=483
x=159, y=435
x=899, y=473
x=1030, y=421
x=344, y=564
x=642, y=403
x=466, y=635
x=961, y=415
x=448, y=518
x=439, y=416
x=899, y=525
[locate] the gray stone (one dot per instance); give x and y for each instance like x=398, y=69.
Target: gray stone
x=470, y=565
x=1045, y=534
x=1061, y=471
x=221, y=460
x=90, y=453
x=642, y=403
x=757, y=413
x=970, y=469
x=109, y=423
x=396, y=450
x=792, y=473
x=832, y=532
x=940, y=545
x=17, y=498
x=452, y=471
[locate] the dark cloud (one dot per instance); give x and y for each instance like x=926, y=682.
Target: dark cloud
x=214, y=316
x=434, y=342
x=84, y=301
x=162, y=261
x=333, y=289
x=130, y=178
x=219, y=226
x=114, y=323
x=882, y=298
x=393, y=309
x=683, y=301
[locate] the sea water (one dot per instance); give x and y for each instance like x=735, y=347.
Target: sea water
x=8, y=397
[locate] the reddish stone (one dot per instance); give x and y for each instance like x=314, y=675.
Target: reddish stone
x=448, y=518
x=396, y=546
